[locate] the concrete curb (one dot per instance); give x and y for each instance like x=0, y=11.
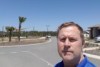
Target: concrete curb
x=91, y=55
x=90, y=48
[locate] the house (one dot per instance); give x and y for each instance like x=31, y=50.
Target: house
x=94, y=31
x=86, y=34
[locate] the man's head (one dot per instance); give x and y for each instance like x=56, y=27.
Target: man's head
x=70, y=40
x=66, y=24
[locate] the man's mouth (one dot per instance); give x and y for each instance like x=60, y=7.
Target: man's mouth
x=66, y=51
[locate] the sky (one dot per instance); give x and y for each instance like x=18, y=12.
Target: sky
x=43, y=14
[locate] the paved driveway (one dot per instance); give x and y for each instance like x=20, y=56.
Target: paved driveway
x=40, y=55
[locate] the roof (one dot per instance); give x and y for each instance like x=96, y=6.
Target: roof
x=97, y=25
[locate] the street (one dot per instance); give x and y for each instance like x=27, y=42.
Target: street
x=36, y=55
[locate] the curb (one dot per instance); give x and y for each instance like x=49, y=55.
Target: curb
x=91, y=55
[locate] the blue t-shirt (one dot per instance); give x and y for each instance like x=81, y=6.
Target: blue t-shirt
x=84, y=63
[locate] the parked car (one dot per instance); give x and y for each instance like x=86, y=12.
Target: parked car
x=97, y=39
x=48, y=37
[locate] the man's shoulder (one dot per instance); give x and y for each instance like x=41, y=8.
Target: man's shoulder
x=89, y=64
x=60, y=64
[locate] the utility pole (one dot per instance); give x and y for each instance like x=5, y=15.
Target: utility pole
x=33, y=30
x=47, y=26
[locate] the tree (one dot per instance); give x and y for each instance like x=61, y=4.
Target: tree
x=10, y=29
x=21, y=20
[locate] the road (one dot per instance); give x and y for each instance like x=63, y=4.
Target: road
x=37, y=55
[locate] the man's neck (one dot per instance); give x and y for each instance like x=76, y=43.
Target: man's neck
x=73, y=63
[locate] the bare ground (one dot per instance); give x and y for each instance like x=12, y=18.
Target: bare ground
x=96, y=51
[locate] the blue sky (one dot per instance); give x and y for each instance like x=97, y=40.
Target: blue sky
x=51, y=13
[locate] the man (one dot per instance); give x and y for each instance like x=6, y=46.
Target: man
x=70, y=41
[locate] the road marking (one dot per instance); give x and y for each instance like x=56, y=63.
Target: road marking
x=48, y=63
x=13, y=52
x=8, y=52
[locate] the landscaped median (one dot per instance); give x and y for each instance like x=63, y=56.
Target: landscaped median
x=24, y=41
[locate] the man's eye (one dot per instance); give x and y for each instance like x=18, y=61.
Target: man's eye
x=72, y=40
x=63, y=39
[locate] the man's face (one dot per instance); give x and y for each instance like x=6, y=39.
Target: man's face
x=69, y=43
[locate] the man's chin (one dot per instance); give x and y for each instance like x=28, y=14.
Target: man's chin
x=67, y=53
x=68, y=57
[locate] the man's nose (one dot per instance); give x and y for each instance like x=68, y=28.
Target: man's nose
x=67, y=42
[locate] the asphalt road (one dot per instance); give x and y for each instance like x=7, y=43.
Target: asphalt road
x=37, y=55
